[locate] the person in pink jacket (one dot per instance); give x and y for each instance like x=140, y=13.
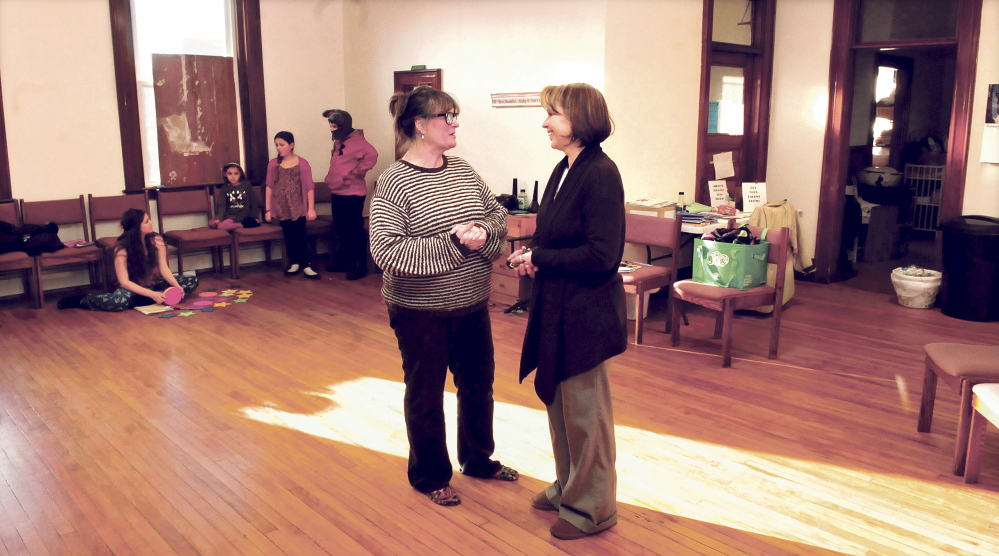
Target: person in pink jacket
x=351, y=159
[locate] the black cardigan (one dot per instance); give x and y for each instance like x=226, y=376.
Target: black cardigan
x=577, y=317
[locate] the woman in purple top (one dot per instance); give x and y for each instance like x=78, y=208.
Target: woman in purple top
x=290, y=199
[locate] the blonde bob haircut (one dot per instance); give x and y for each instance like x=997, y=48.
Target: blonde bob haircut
x=585, y=108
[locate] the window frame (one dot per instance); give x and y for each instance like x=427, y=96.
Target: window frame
x=250, y=90
x=758, y=68
x=835, y=157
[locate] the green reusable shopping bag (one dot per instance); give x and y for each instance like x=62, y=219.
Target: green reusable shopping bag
x=730, y=265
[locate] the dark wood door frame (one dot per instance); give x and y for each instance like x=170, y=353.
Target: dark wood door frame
x=249, y=62
x=753, y=154
x=832, y=186
x=5, y=189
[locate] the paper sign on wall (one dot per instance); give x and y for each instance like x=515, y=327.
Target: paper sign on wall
x=719, y=192
x=724, y=167
x=990, y=144
x=754, y=194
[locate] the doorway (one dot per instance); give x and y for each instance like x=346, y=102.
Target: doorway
x=901, y=111
x=886, y=25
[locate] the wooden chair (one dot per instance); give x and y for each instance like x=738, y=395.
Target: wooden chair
x=18, y=261
x=108, y=209
x=191, y=202
x=68, y=214
x=727, y=300
x=264, y=234
x=961, y=366
x=322, y=226
x=985, y=404
x=651, y=231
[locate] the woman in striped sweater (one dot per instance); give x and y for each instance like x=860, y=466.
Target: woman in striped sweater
x=435, y=229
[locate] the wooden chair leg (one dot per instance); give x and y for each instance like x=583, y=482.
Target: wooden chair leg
x=180, y=261
x=675, y=317
x=719, y=322
x=669, y=310
x=976, y=446
x=774, y=334
x=234, y=259
x=929, y=396
x=639, y=315
x=727, y=336
x=963, y=428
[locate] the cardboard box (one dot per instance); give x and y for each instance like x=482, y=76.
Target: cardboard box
x=651, y=207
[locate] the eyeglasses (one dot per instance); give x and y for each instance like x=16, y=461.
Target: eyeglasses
x=449, y=117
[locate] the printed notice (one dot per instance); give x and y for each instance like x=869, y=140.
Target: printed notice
x=724, y=168
x=754, y=194
x=719, y=192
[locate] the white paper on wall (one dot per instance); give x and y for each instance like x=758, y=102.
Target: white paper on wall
x=719, y=192
x=754, y=194
x=724, y=167
x=990, y=144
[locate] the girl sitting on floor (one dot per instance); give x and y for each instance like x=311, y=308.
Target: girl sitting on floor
x=140, y=264
x=237, y=206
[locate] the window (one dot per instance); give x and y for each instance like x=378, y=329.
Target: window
x=245, y=24
x=735, y=91
x=199, y=27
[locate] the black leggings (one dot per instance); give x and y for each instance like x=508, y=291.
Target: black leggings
x=122, y=299
x=295, y=241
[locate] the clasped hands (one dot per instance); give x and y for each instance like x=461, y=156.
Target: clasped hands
x=471, y=235
x=520, y=262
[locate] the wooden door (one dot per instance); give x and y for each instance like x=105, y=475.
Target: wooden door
x=406, y=81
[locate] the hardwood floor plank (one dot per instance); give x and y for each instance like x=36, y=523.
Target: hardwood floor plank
x=275, y=427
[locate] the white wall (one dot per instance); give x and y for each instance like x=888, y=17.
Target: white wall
x=60, y=104
x=798, y=109
x=303, y=58
x=981, y=192
x=653, y=65
x=484, y=47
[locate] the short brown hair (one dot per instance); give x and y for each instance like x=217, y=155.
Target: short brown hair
x=585, y=108
x=418, y=103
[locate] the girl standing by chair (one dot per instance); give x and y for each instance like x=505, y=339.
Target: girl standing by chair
x=236, y=205
x=140, y=264
x=291, y=200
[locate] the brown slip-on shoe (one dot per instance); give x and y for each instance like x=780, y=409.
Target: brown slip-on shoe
x=566, y=531
x=540, y=502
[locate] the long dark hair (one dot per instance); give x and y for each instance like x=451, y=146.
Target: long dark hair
x=140, y=259
x=288, y=138
x=418, y=103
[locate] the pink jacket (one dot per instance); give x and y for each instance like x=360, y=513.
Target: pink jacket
x=350, y=161
x=306, y=177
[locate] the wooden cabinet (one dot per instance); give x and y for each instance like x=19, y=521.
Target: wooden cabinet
x=508, y=288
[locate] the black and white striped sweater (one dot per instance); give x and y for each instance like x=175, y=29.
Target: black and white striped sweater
x=412, y=214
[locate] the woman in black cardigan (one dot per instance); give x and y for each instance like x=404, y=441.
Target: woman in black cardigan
x=577, y=321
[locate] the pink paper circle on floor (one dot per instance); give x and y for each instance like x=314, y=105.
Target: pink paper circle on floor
x=202, y=303
x=208, y=294
x=173, y=295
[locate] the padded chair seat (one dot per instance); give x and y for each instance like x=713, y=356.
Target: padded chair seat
x=107, y=242
x=197, y=237
x=712, y=297
x=964, y=360
x=318, y=225
x=260, y=233
x=70, y=255
x=15, y=259
x=644, y=273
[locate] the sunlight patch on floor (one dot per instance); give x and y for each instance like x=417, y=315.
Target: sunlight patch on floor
x=655, y=471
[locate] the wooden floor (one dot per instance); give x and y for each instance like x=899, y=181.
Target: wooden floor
x=275, y=427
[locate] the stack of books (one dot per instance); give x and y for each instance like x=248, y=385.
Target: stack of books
x=698, y=219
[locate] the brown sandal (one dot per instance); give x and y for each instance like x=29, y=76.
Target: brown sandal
x=506, y=474
x=444, y=497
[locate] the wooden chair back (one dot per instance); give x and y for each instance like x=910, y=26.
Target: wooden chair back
x=60, y=211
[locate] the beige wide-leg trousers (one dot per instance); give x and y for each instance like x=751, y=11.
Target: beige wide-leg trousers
x=581, y=421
